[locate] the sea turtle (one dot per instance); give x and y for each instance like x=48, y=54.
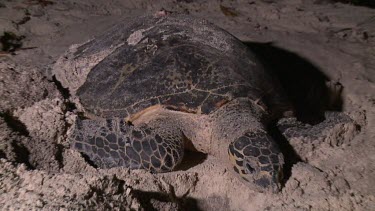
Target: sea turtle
x=159, y=84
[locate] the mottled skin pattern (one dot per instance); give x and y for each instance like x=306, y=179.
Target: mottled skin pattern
x=256, y=152
x=113, y=143
x=174, y=82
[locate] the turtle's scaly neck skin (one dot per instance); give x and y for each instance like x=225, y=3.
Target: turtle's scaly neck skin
x=232, y=121
x=239, y=135
x=196, y=128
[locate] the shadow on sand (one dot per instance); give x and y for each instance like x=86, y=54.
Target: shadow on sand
x=305, y=86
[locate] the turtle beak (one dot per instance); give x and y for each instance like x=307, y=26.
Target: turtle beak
x=267, y=184
x=269, y=181
x=276, y=181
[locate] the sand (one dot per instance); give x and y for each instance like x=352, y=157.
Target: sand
x=38, y=171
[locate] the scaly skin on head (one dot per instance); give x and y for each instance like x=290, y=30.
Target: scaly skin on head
x=258, y=161
x=239, y=132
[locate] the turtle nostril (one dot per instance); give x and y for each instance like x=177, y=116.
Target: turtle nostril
x=249, y=168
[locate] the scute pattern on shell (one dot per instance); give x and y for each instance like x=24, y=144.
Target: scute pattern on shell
x=183, y=63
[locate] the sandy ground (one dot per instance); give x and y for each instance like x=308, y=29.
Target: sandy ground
x=39, y=171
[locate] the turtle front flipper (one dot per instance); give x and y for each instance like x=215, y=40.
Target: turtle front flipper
x=114, y=143
x=335, y=129
x=257, y=159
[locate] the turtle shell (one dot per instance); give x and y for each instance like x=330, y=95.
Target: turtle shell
x=179, y=62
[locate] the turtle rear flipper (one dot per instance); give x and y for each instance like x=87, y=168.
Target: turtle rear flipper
x=114, y=143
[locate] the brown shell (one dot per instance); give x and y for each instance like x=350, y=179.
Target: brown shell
x=179, y=62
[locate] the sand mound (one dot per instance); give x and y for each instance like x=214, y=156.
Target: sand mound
x=39, y=171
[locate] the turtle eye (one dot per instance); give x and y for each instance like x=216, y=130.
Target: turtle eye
x=249, y=169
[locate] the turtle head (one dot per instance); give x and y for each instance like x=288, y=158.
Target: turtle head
x=258, y=161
